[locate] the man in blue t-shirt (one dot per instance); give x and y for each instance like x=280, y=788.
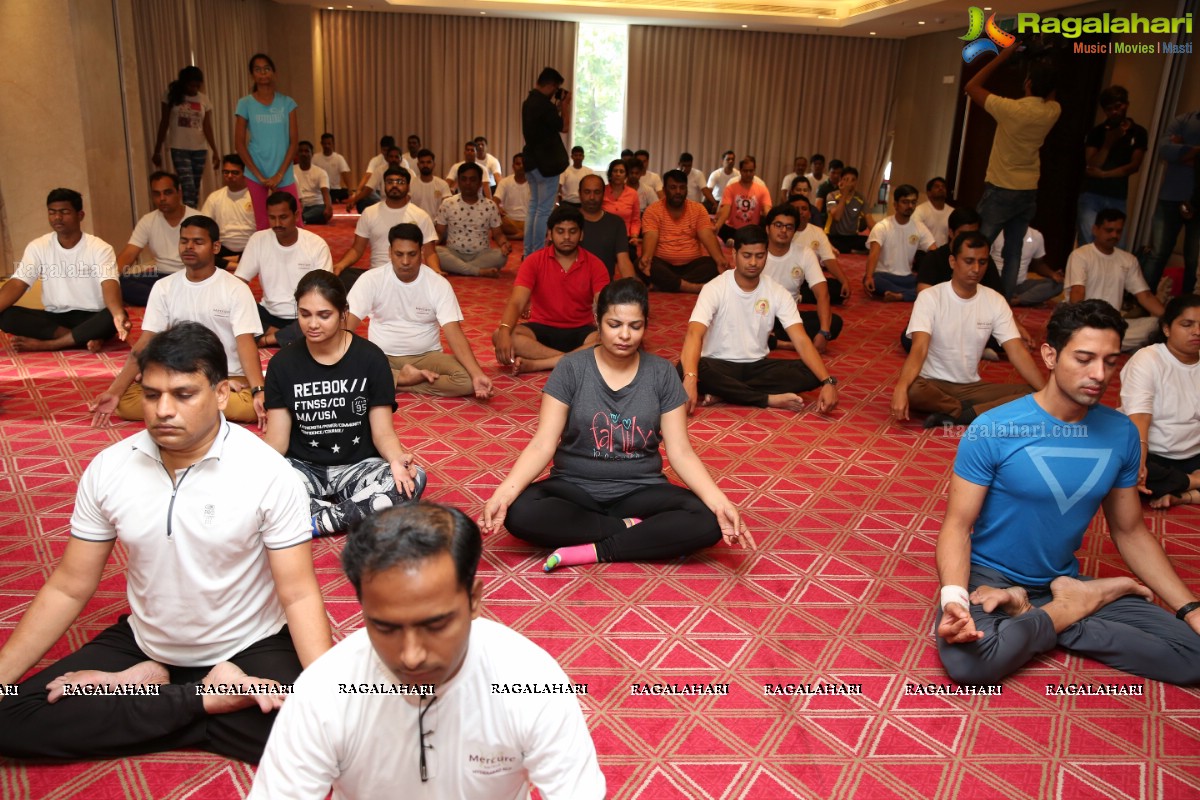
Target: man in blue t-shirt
x=1027, y=481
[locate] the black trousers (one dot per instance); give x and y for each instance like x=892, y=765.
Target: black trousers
x=135, y=289
x=350, y=276
x=288, y=330
x=1169, y=475
x=667, y=276
x=812, y=326
x=835, y=293
x=80, y=728
x=749, y=383
x=848, y=244
x=38, y=324
x=558, y=513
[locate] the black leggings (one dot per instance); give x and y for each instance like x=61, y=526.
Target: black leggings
x=88, y=727
x=38, y=324
x=1169, y=475
x=557, y=513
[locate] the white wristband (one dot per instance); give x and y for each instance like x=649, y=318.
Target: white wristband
x=955, y=594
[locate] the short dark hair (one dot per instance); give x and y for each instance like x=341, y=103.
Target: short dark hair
x=326, y=135
x=576, y=149
x=278, y=196
x=749, y=235
x=65, y=196
x=550, y=76
x=727, y=153
x=303, y=142
x=1041, y=75
x=686, y=157
x=469, y=166
x=784, y=210
x=640, y=153
x=1070, y=317
x=970, y=239
x=479, y=139
x=1113, y=94
x=565, y=214
x=1109, y=215
x=400, y=171
x=849, y=171
x=799, y=198
x=410, y=534
x=414, y=136
x=187, y=347
x=798, y=180
x=387, y=141
x=903, y=190
x=816, y=157
x=963, y=215
x=425, y=151
x=235, y=159
x=393, y=148
x=406, y=231
x=623, y=292
x=677, y=175
x=1172, y=312
x=751, y=159
x=159, y=174
x=837, y=163
x=207, y=223
x=326, y=284
x=929, y=183
x=470, y=143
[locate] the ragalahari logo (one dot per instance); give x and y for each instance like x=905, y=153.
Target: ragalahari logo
x=996, y=38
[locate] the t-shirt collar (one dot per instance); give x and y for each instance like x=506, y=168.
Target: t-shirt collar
x=144, y=443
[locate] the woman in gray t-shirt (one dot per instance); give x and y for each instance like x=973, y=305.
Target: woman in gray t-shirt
x=605, y=412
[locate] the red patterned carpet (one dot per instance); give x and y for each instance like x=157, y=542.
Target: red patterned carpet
x=845, y=511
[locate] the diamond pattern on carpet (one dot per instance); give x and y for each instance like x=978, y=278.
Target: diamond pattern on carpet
x=845, y=510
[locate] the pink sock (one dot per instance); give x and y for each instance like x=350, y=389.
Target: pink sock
x=571, y=557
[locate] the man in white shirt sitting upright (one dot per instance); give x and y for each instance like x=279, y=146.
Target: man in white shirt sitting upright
x=427, y=190
x=1102, y=271
x=934, y=213
x=569, y=180
x=950, y=326
x=438, y=698
x=335, y=167
x=312, y=184
x=280, y=257
x=158, y=231
x=231, y=208
x=512, y=199
x=893, y=246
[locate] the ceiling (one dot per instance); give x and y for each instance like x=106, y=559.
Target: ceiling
x=896, y=19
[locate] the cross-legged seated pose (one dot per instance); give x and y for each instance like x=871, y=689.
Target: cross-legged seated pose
x=450, y=728
x=221, y=585
x=80, y=288
x=1028, y=479
x=725, y=349
x=894, y=245
x=330, y=402
x=559, y=284
x=605, y=412
x=1160, y=391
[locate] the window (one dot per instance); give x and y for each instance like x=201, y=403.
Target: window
x=601, y=60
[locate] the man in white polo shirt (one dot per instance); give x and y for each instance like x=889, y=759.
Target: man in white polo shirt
x=221, y=585
x=81, y=295
x=440, y=703
x=950, y=326
x=373, y=226
x=217, y=300
x=230, y=207
x=280, y=257
x=158, y=230
x=409, y=306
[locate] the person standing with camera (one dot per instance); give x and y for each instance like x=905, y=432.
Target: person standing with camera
x=1114, y=151
x=545, y=115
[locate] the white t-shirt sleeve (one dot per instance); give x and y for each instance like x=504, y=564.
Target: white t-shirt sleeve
x=926, y=240
x=243, y=311
x=1135, y=283
x=561, y=757
x=106, y=261
x=446, y=302
x=209, y=209
x=428, y=232
x=1076, y=275
x=248, y=266
x=30, y=268
x=300, y=761
x=924, y=310
x=87, y=520
x=284, y=509
x=812, y=268
x=363, y=226
x=878, y=234
x=359, y=298
x=1138, y=384
x=707, y=301
x=1039, y=244
x=322, y=258
x=141, y=232
x=157, y=317
x=1004, y=325
x=785, y=306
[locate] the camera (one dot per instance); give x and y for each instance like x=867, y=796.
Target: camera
x=560, y=94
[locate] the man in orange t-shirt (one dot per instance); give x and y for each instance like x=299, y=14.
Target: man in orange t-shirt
x=676, y=235
x=745, y=201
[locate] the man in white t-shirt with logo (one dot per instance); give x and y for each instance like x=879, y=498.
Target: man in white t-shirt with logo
x=470, y=156
x=725, y=349
x=489, y=161
x=813, y=237
x=950, y=326
x=512, y=199
x=410, y=306
x=312, y=184
x=1102, y=271
x=158, y=231
x=1031, y=292
x=935, y=212
x=335, y=167
x=224, y=606
x=81, y=294
x=428, y=698
x=428, y=190
x=218, y=301
x=568, y=180
x=374, y=224
x=794, y=266
x=280, y=257
x=892, y=248
x=231, y=208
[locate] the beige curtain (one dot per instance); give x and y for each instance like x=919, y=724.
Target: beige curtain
x=772, y=95
x=445, y=78
x=218, y=36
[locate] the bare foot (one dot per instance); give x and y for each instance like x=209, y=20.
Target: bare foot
x=523, y=365
x=710, y=400
x=223, y=685
x=95, y=345
x=408, y=375
x=1075, y=599
x=1013, y=600
x=145, y=673
x=489, y=273
x=788, y=402
x=29, y=344
x=1167, y=500
x=892, y=297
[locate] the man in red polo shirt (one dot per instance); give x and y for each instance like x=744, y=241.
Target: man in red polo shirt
x=562, y=280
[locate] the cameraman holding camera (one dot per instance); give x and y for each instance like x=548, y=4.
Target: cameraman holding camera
x=1010, y=188
x=545, y=114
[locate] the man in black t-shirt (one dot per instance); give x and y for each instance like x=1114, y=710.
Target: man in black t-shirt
x=1114, y=151
x=605, y=233
x=545, y=114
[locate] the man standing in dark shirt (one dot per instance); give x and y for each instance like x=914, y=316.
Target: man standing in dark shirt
x=1115, y=149
x=545, y=114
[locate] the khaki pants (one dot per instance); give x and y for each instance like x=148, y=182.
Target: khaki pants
x=453, y=380
x=240, y=407
x=947, y=398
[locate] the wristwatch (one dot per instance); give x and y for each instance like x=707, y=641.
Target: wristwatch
x=828, y=336
x=832, y=381
x=1187, y=609
x=257, y=390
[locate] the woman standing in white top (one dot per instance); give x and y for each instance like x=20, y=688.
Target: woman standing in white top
x=1160, y=391
x=185, y=126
